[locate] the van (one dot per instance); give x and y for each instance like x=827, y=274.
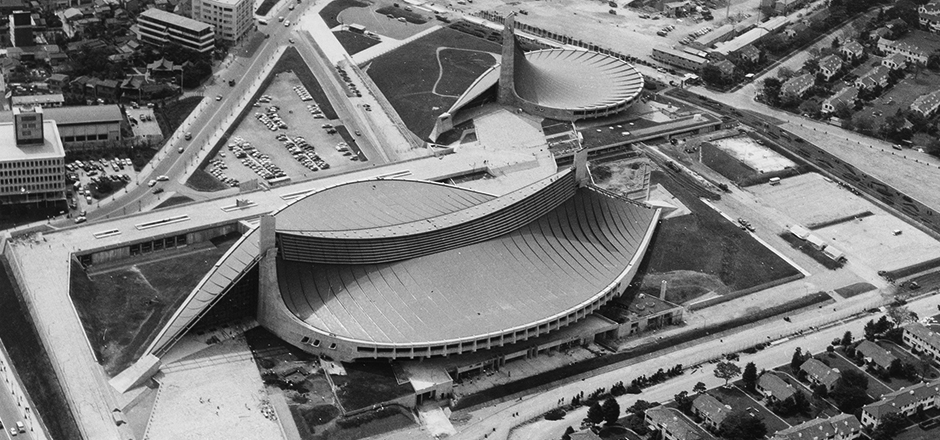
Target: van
x=280, y=19
x=20, y=427
x=774, y=181
x=286, y=23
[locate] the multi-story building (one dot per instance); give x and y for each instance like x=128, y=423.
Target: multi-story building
x=231, y=18
x=830, y=66
x=876, y=77
x=710, y=410
x=680, y=58
x=32, y=160
x=927, y=106
x=925, y=395
x=840, y=427
x=894, y=61
x=750, y=53
x=929, y=16
x=916, y=335
x=852, y=50
x=914, y=54
x=159, y=27
x=798, y=85
x=84, y=127
x=21, y=29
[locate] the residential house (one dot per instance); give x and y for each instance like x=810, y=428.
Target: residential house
x=58, y=82
x=671, y=424
x=710, y=410
x=876, y=355
x=852, y=50
x=750, y=53
x=840, y=427
x=894, y=61
x=775, y=388
x=794, y=29
x=784, y=7
x=929, y=16
x=830, y=66
x=725, y=67
x=108, y=89
x=879, y=33
x=163, y=68
x=819, y=373
x=798, y=85
x=917, y=336
x=876, y=77
x=913, y=53
x=925, y=395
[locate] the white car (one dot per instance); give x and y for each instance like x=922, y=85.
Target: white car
x=162, y=178
x=152, y=183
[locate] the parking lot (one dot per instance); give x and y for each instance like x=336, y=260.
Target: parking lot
x=287, y=137
x=89, y=178
x=144, y=124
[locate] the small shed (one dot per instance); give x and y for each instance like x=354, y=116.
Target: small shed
x=799, y=231
x=834, y=253
x=816, y=242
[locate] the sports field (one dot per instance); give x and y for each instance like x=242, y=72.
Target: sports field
x=423, y=79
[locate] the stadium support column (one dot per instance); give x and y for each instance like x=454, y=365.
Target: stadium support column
x=581, y=174
x=267, y=270
x=506, y=94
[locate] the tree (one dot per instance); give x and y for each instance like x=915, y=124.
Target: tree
x=611, y=410
x=900, y=315
x=871, y=330
x=699, y=388
x=891, y=424
x=595, y=413
x=785, y=73
x=727, y=371
x=639, y=408
x=772, y=90
x=854, y=379
x=683, y=402
x=896, y=368
x=797, y=360
x=749, y=376
x=742, y=426
x=811, y=65
x=835, y=43
x=712, y=75
x=846, y=339
x=567, y=434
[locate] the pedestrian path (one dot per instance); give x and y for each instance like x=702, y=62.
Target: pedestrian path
x=433, y=418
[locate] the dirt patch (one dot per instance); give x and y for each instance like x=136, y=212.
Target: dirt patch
x=368, y=383
x=122, y=309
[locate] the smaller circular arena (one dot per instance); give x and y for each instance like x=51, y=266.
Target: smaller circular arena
x=572, y=84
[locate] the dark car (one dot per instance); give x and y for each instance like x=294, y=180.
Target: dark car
x=158, y=191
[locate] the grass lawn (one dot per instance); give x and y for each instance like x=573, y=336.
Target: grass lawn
x=266, y=6
x=827, y=410
x=366, y=384
x=202, y=181
x=854, y=289
x=331, y=11
x=29, y=358
x=725, y=164
x=909, y=358
x=703, y=246
x=740, y=401
x=122, y=309
x=354, y=42
x=875, y=389
x=409, y=16
x=173, y=201
x=171, y=115
x=373, y=428
x=407, y=75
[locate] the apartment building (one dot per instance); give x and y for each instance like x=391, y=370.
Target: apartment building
x=925, y=395
x=840, y=427
x=231, y=18
x=913, y=53
x=916, y=335
x=158, y=27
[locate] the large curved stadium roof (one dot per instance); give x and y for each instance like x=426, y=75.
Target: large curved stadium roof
x=578, y=246
x=576, y=79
